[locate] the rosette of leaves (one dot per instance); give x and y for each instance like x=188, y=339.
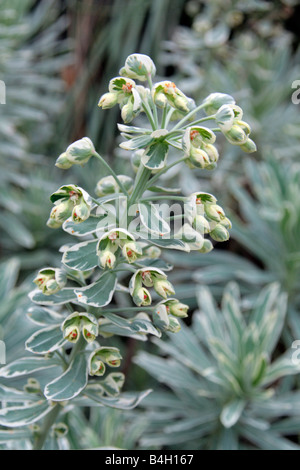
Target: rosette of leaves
x=227, y=390
x=116, y=257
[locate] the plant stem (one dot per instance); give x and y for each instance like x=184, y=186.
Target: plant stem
x=111, y=171
x=140, y=183
x=187, y=117
x=149, y=115
x=153, y=104
x=48, y=423
x=157, y=176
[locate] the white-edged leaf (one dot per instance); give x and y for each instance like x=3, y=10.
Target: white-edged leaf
x=27, y=365
x=46, y=340
x=44, y=316
x=125, y=401
x=17, y=435
x=87, y=227
x=81, y=257
x=12, y=395
x=70, y=383
x=60, y=298
x=137, y=325
x=100, y=292
x=17, y=416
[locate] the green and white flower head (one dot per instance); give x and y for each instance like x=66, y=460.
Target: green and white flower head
x=126, y=95
x=166, y=92
x=197, y=144
x=77, y=323
x=138, y=67
x=236, y=131
x=50, y=280
x=213, y=102
x=68, y=200
x=108, y=355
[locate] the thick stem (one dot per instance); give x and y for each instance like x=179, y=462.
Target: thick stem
x=48, y=423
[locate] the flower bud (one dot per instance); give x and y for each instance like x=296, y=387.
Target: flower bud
x=214, y=101
x=141, y=297
x=138, y=66
x=72, y=333
x=60, y=213
x=166, y=92
x=163, y=288
x=201, y=224
x=108, y=100
x=176, y=308
x=248, y=146
x=219, y=233
x=96, y=367
x=199, y=158
x=50, y=280
x=131, y=251
x=89, y=328
x=214, y=212
x=71, y=327
x=63, y=162
x=108, y=355
x=60, y=430
x=80, y=151
x=236, y=135
x=226, y=223
x=107, y=259
x=81, y=212
x=206, y=247
x=174, y=325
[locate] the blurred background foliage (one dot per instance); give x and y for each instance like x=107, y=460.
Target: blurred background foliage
x=56, y=58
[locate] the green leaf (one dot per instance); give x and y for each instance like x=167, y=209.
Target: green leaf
x=70, y=383
x=100, y=292
x=151, y=219
x=81, y=257
x=44, y=316
x=231, y=413
x=17, y=416
x=46, y=340
x=125, y=401
x=8, y=276
x=12, y=395
x=169, y=243
x=87, y=227
x=27, y=365
x=155, y=155
x=62, y=297
x=136, y=325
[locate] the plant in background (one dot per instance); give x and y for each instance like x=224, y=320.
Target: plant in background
x=32, y=56
x=122, y=235
x=228, y=390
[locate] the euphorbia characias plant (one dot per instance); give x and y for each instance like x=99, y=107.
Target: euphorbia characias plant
x=122, y=232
